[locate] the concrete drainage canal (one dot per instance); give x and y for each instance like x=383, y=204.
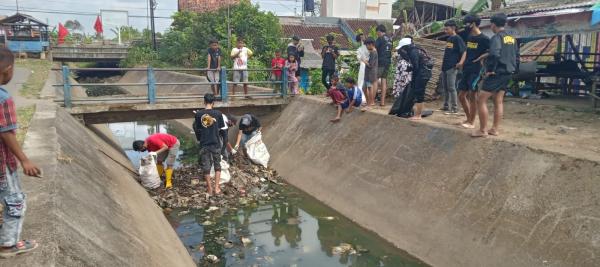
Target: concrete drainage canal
x=260, y=220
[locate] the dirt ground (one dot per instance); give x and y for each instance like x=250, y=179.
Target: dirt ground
x=564, y=125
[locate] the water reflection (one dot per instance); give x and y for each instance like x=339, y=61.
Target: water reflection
x=296, y=232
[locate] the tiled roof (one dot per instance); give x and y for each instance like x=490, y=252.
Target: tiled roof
x=535, y=6
x=536, y=47
x=315, y=32
x=364, y=25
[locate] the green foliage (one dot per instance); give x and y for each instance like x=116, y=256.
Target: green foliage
x=316, y=87
x=186, y=42
x=141, y=56
x=479, y=6
x=401, y=5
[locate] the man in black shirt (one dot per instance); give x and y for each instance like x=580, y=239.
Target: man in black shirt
x=501, y=64
x=214, y=65
x=329, y=53
x=454, y=58
x=384, y=53
x=477, y=48
x=249, y=126
x=207, y=127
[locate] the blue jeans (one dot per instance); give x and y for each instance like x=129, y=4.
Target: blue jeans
x=14, y=210
x=246, y=138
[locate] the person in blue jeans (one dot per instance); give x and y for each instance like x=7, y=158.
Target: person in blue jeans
x=248, y=126
x=10, y=185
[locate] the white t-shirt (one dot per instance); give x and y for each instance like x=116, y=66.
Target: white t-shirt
x=225, y=120
x=241, y=62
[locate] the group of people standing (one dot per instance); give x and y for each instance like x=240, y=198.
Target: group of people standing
x=469, y=64
x=240, y=56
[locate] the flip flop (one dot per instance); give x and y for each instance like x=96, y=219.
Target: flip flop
x=21, y=247
x=478, y=133
x=414, y=119
x=493, y=132
x=334, y=120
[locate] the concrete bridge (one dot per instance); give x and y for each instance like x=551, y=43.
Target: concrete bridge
x=162, y=94
x=92, y=53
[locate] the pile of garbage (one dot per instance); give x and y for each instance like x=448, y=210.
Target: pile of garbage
x=248, y=183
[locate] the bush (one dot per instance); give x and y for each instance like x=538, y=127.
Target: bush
x=316, y=87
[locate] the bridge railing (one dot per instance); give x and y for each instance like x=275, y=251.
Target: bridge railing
x=152, y=97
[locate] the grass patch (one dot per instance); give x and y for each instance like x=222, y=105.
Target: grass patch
x=34, y=84
x=24, y=116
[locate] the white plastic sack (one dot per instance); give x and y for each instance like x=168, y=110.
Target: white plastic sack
x=257, y=150
x=225, y=175
x=148, y=172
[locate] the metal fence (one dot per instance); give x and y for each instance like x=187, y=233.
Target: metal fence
x=151, y=85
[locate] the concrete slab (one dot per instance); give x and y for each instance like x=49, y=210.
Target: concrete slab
x=439, y=194
x=88, y=210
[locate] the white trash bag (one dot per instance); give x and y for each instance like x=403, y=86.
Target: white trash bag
x=225, y=175
x=257, y=150
x=148, y=172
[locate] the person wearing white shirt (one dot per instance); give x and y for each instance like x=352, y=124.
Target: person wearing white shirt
x=362, y=54
x=240, y=56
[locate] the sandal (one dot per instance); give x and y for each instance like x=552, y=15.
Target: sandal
x=21, y=247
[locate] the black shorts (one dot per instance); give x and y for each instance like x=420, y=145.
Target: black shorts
x=469, y=81
x=209, y=157
x=495, y=83
x=382, y=71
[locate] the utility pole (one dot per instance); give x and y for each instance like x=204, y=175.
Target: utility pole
x=152, y=28
x=228, y=27
x=17, y=5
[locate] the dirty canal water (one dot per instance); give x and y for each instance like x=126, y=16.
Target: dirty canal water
x=289, y=229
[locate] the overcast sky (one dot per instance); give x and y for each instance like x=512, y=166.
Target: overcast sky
x=165, y=8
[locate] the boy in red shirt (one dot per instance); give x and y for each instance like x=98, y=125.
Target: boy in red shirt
x=277, y=65
x=10, y=155
x=167, y=147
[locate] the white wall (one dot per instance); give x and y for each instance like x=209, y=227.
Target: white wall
x=366, y=9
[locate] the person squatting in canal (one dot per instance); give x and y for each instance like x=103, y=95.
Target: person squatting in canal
x=166, y=147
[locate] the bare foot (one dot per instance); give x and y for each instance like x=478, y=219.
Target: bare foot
x=467, y=125
x=335, y=120
x=479, y=133
x=415, y=118
x=493, y=132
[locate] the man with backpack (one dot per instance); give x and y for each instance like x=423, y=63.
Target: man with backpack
x=420, y=65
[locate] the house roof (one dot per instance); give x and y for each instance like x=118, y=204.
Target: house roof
x=315, y=32
x=363, y=25
x=20, y=17
x=537, y=6
x=465, y=4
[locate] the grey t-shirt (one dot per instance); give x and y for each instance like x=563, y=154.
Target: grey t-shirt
x=371, y=69
x=503, y=54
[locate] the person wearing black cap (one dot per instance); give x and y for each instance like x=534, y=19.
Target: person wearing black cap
x=249, y=126
x=501, y=64
x=208, y=125
x=297, y=49
x=477, y=48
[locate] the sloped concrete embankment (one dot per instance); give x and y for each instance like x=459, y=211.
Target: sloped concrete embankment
x=442, y=196
x=88, y=210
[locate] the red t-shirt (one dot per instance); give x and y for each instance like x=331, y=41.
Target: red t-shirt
x=278, y=63
x=157, y=141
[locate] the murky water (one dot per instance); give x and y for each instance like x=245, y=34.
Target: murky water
x=293, y=229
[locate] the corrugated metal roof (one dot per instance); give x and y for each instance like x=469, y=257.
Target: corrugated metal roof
x=19, y=17
x=537, y=6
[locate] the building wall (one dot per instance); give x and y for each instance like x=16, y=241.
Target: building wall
x=365, y=9
x=204, y=5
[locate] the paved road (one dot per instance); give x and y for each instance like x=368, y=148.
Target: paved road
x=20, y=77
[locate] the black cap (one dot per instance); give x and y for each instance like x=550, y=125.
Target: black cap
x=499, y=19
x=295, y=38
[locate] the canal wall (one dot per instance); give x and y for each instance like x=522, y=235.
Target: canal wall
x=88, y=210
x=439, y=194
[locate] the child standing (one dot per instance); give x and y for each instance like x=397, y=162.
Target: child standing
x=277, y=65
x=10, y=184
x=292, y=67
x=371, y=73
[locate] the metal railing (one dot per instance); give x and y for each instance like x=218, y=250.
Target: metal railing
x=151, y=85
